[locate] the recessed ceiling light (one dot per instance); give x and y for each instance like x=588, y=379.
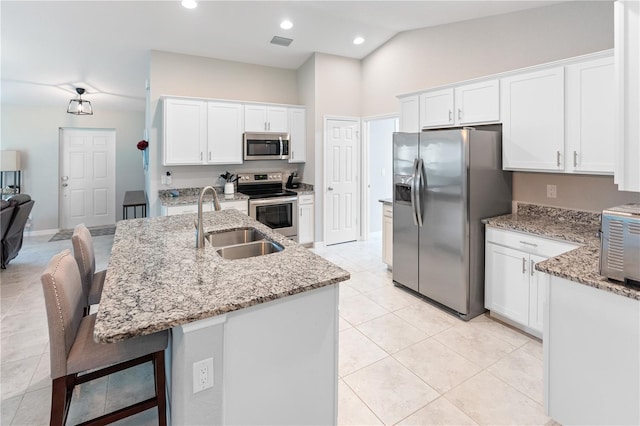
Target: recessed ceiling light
x=358, y=40
x=286, y=24
x=189, y=4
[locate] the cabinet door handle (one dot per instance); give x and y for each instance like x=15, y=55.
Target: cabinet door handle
x=459, y=114
x=524, y=265
x=558, y=158
x=209, y=155
x=575, y=158
x=293, y=155
x=200, y=155
x=269, y=124
x=450, y=116
x=300, y=212
x=532, y=267
x=528, y=244
x=265, y=125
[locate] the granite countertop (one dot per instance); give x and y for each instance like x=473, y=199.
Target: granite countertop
x=580, y=265
x=191, y=195
x=304, y=189
x=157, y=279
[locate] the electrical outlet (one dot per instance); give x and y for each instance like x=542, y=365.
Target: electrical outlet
x=552, y=191
x=202, y=375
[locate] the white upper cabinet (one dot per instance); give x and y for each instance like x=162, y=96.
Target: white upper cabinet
x=224, y=133
x=436, y=108
x=627, y=77
x=478, y=103
x=265, y=118
x=185, y=131
x=410, y=114
x=297, y=135
x=590, y=97
x=532, y=111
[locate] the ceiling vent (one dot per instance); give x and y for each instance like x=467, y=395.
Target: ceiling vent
x=281, y=41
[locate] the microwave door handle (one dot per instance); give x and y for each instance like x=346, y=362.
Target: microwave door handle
x=413, y=192
x=420, y=190
x=281, y=146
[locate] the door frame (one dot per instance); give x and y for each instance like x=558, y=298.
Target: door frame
x=365, y=183
x=325, y=213
x=61, y=162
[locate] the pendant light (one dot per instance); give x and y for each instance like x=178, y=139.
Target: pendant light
x=79, y=106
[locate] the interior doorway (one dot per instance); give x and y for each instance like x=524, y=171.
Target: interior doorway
x=377, y=168
x=87, y=177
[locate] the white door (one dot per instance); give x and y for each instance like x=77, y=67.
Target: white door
x=341, y=191
x=87, y=177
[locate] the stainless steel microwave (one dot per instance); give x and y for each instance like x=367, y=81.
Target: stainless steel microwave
x=266, y=146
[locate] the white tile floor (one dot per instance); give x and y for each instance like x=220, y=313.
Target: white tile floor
x=402, y=361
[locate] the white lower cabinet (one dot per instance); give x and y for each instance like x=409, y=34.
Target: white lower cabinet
x=513, y=288
x=387, y=235
x=305, y=219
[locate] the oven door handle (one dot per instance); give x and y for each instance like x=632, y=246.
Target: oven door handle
x=275, y=200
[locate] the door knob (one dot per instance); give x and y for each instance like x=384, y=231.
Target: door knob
x=65, y=184
x=330, y=189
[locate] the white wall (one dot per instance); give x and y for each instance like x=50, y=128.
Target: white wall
x=184, y=75
x=34, y=132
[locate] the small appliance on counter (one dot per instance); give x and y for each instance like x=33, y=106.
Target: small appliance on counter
x=293, y=181
x=620, y=243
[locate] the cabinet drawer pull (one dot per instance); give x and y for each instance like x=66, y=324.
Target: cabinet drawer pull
x=558, y=158
x=528, y=244
x=532, y=266
x=524, y=265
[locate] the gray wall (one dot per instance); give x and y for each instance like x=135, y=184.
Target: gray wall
x=34, y=132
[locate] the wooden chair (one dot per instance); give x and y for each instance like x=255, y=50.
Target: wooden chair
x=92, y=281
x=76, y=358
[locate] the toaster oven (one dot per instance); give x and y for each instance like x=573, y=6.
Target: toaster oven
x=620, y=243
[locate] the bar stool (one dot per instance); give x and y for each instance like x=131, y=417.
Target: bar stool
x=76, y=358
x=83, y=251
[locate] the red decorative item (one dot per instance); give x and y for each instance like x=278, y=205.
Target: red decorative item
x=142, y=145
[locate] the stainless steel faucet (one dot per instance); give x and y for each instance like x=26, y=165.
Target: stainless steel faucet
x=216, y=205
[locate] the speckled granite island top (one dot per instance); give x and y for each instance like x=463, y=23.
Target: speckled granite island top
x=157, y=279
x=580, y=265
x=191, y=195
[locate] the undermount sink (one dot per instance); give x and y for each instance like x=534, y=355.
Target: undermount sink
x=242, y=251
x=237, y=236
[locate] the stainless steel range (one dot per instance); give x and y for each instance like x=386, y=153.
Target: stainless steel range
x=269, y=203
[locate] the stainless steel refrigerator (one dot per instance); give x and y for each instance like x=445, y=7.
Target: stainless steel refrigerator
x=445, y=182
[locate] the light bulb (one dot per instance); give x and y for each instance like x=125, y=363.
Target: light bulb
x=358, y=40
x=286, y=24
x=189, y=4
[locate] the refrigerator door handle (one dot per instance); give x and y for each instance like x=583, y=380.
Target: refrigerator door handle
x=420, y=190
x=414, y=192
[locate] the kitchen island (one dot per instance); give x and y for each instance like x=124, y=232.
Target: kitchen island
x=268, y=324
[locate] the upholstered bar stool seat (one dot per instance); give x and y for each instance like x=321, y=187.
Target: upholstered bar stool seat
x=83, y=251
x=76, y=358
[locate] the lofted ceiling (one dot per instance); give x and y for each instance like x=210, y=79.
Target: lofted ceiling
x=48, y=47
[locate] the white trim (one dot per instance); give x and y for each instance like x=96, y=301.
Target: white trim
x=204, y=323
x=325, y=213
